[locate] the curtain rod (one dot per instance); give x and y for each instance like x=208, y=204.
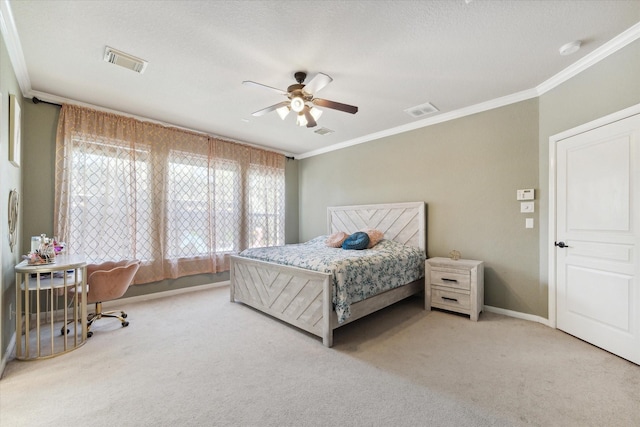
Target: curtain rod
x=37, y=101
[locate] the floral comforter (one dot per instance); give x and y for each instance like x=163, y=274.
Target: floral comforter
x=357, y=275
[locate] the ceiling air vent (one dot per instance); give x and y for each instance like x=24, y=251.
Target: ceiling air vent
x=421, y=110
x=124, y=60
x=323, y=131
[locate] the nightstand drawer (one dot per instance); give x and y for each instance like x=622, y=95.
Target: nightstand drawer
x=450, y=279
x=454, y=300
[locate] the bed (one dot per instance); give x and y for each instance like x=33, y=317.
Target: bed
x=306, y=298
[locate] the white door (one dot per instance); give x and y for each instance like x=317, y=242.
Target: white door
x=598, y=223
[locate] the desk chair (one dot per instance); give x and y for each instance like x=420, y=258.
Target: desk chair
x=105, y=282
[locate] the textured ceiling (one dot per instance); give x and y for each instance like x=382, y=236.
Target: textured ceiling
x=384, y=57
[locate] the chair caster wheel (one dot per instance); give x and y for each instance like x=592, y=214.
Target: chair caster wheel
x=124, y=315
x=89, y=334
x=124, y=324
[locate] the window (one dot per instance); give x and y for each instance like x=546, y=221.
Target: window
x=188, y=201
x=265, y=207
x=178, y=201
x=105, y=221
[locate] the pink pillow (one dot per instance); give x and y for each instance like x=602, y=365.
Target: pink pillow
x=374, y=236
x=336, y=239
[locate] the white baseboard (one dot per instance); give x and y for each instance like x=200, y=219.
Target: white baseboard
x=164, y=294
x=8, y=352
x=517, y=315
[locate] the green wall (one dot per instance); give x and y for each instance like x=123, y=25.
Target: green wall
x=467, y=171
x=291, y=202
x=38, y=178
x=611, y=85
x=9, y=179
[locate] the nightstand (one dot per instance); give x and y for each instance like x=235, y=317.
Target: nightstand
x=455, y=285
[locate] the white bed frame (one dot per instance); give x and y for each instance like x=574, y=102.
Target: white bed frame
x=303, y=298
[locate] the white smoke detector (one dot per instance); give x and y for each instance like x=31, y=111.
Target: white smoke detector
x=124, y=60
x=569, y=48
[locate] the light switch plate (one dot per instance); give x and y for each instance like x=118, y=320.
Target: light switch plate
x=527, y=207
x=526, y=194
x=528, y=223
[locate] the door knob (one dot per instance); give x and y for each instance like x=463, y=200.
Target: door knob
x=561, y=244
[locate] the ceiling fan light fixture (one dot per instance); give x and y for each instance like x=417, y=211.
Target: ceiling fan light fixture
x=316, y=113
x=297, y=104
x=301, y=100
x=302, y=120
x=283, y=112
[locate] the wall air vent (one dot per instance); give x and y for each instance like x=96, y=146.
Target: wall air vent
x=323, y=131
x=421, y=110
x=124, y=60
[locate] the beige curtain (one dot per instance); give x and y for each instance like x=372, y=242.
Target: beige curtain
x=180, y=202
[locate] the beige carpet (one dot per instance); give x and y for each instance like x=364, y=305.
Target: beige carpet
x=197, y=359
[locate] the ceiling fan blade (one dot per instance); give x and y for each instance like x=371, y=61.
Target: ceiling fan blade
x=335, y=105
x=252, y=83
x=270, y=109
x=311, y=122
x=319, y=81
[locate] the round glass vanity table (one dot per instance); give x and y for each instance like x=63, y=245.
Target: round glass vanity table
x=51, y=317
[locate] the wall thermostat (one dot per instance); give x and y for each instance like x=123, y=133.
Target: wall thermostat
x=527, y=194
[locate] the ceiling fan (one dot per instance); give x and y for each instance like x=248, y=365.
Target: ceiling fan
x=301, y=100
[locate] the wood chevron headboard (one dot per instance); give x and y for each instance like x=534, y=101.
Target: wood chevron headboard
x=401, y=222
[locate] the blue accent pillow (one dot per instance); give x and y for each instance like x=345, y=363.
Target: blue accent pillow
x=356, y=241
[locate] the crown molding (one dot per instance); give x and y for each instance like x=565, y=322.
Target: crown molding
x=14, y=48
x=445, y=117
x=16, y=55
x=630, y=35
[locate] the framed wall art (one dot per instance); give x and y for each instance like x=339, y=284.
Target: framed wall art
x=14, y=131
